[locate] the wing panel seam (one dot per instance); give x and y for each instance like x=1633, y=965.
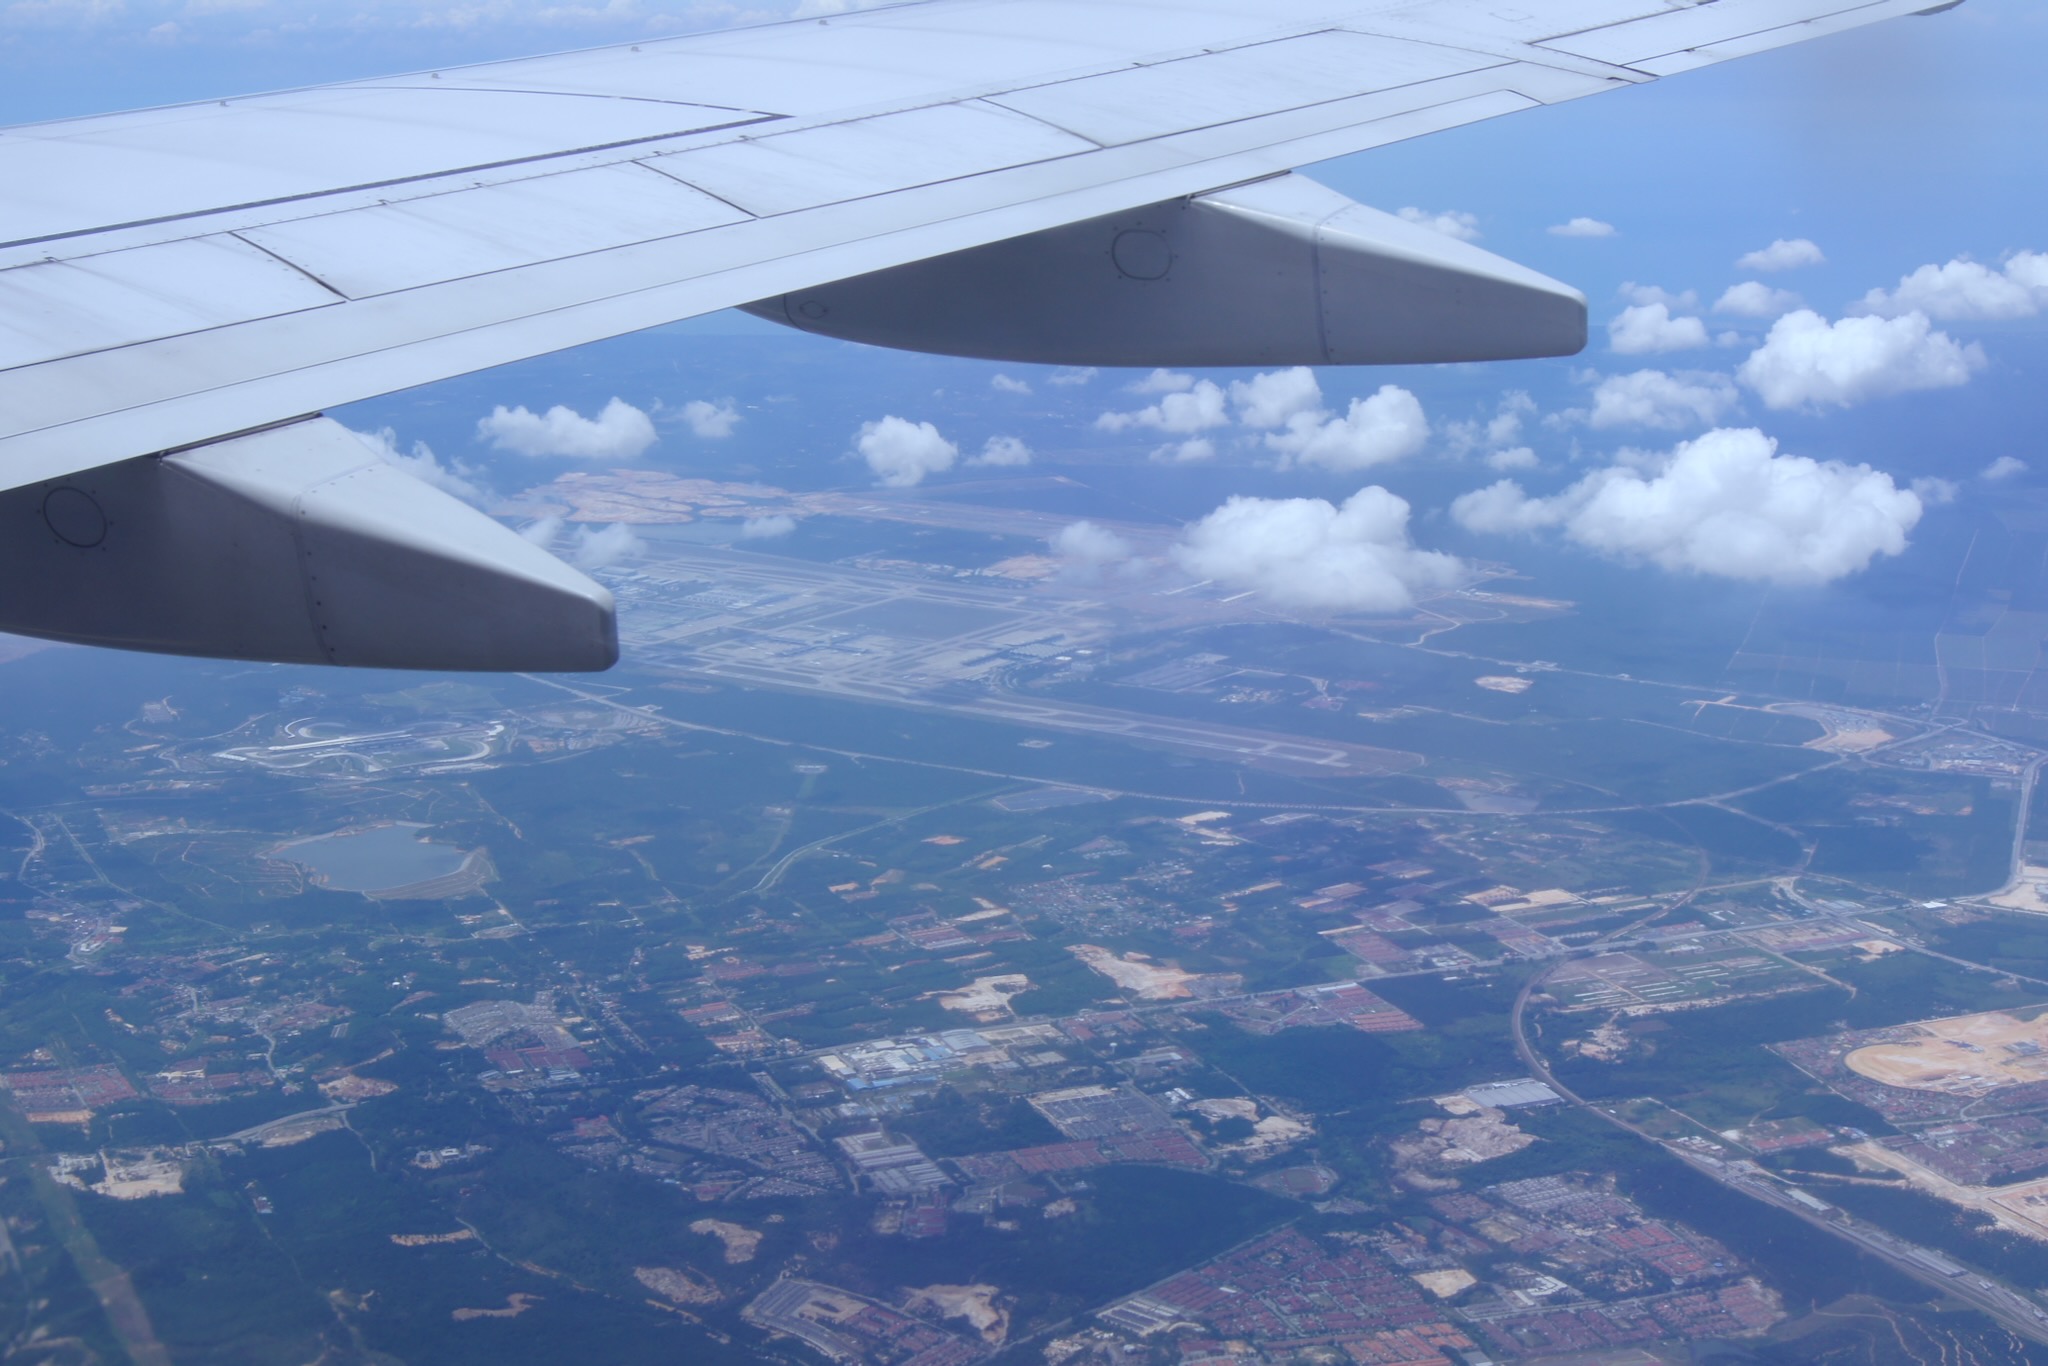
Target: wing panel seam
x=422, y=178
x=294, y=265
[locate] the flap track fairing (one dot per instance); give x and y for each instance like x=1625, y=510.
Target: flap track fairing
x=295, y=544
x=1278, y=272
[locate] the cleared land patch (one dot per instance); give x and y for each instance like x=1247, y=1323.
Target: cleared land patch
x=1967, y=1055
x=1148, y=981
x=740, y=1241
x=986, y=997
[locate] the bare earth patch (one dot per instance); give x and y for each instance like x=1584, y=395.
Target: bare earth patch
x=740, y=1241
x=1965, y=1055
x=986, y=996
x=1227, y=1107
x=515, y=1305
x=298, y=1131
x=2026, y=894
x=1029, y=567
x=353, y=1087
x=1146, y=980
x=1462, y=1140
x=81, y=1118
x=1269, y=1134
x=973, y=1303
x=138, y=1177
x=1851, y=741
x=1444, y=1284
x=461, y=1235
x=679, y=1284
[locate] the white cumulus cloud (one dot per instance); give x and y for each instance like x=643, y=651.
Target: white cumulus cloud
x=1644, y=295
x=1004, y=384
x=1644, y=329
x=1194, y=409
x=1808, y=362
x=1783, y=254
x=543, y=531
x=1935, y=492
x=1068, y=376
x=1582, y=227
x=1288, y=405
x=1726, y=504
x=1162, y=382
x=1502, y=508
x=618, y=432
x=1667, y=402
x=1497, y=433
x=901, y=453
x=1451, y=222
x=1506, y=425
x=1513, y=458
x=1388, y=426
x=2005, y=467
x=421, y=463
x=599, y=549
x=767, y=528
x=1085, y=545
x=814, y=9
x=1968, y=291
x=711, y=421
x=1270, y=399
x=1310, y=554
x=1755, y=299
x=1003, y=450
x=1192, y=451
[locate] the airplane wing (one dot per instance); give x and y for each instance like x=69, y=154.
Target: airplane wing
x=183, y=290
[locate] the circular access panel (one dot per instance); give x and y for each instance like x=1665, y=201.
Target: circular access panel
x=74, y=517
x=1142, y=254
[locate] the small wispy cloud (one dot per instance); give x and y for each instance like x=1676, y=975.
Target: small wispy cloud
x=1582, y=227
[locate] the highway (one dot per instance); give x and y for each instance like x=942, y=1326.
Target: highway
x=2018, y=1313
x=256, y=1134
x=2028, y=779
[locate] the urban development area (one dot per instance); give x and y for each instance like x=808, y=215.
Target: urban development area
x=932, y=956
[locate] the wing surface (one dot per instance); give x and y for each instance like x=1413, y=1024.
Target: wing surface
x=173, y=276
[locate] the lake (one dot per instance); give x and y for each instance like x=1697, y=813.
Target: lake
x=375, y=860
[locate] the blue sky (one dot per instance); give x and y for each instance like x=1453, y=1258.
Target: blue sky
x=1911, y=145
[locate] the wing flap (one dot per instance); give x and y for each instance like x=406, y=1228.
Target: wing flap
x=1736, y=30
x=89, y=174
x=906, y=55
x=95, y=303
x=366, y=252
x=1724, y=49
x=1521, y=23
x=781, y=173
x=1242, y=83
